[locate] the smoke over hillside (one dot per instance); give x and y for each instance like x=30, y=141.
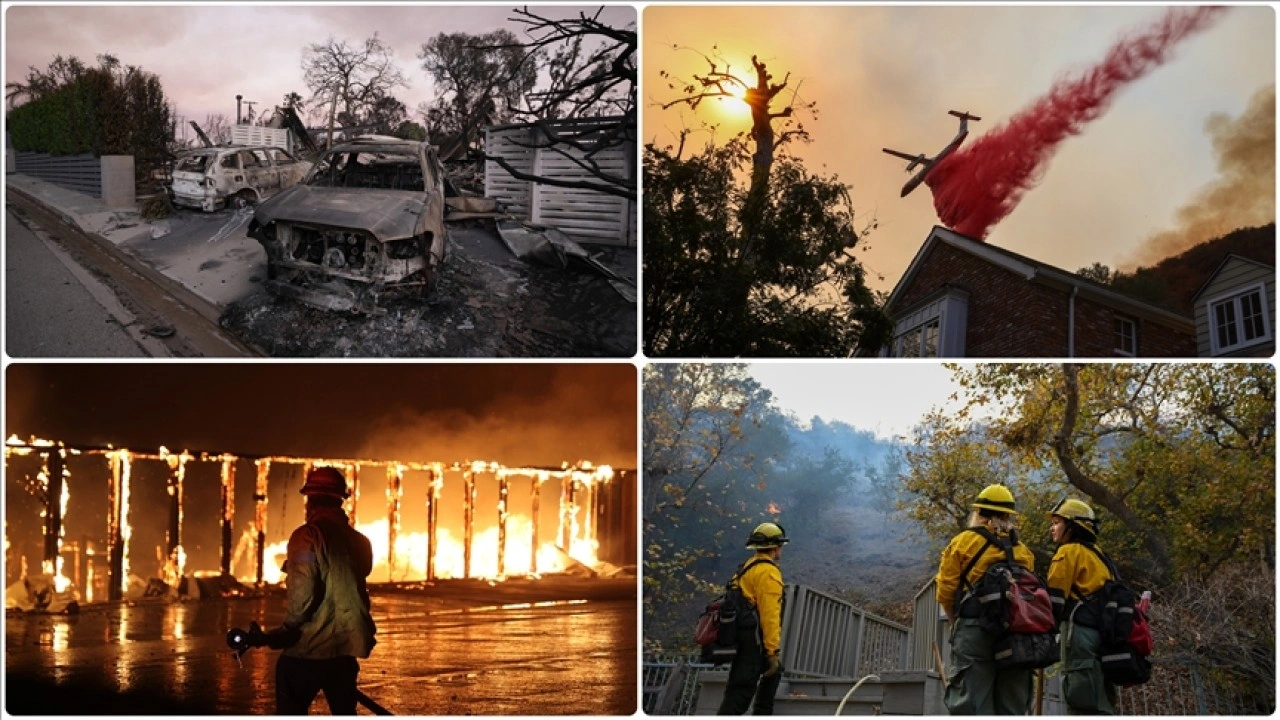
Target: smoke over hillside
x=1244, y=195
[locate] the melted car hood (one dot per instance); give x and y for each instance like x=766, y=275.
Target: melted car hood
x=386, y=214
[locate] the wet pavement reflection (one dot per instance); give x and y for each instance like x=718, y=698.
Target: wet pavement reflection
x=469, y=649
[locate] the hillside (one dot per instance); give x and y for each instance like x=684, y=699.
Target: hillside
x=862, y=555
x=1173, y=281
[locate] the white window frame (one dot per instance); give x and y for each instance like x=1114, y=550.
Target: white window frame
x=1234, y=297
x=1121, y=324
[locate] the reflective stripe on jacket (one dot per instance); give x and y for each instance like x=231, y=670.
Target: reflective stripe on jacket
x=959, y=552
x=762, y=587
x=1074, y=565
x=328, y=561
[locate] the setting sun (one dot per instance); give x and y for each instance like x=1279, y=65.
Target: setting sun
x=733, y=109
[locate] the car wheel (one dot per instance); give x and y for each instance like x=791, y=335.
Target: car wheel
x=240, y=200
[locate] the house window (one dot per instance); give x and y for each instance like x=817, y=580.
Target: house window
x=1126, y=337
x=1239, y=320
x=919, y=341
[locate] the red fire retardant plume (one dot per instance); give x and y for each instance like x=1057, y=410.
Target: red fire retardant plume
x=978, y=185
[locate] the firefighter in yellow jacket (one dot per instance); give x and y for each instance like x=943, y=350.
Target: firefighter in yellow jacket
x=974, y=685
x=757, y=667
x=1076, y=573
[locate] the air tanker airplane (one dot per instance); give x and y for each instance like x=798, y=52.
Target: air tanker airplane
x=930, y=162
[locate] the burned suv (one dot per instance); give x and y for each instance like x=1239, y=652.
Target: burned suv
x=367, y=220
x=211, y=178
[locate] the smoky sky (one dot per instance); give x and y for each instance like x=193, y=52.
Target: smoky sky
x=526, y=414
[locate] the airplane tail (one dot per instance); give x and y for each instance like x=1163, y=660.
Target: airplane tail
x=963, y=115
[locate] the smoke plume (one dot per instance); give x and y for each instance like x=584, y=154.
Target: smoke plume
x=1244, y=194
x=977, y=186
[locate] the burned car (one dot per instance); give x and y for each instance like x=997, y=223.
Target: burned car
x=367, y=221
x=216, y=177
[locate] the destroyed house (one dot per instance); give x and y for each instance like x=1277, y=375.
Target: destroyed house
x=964, y=298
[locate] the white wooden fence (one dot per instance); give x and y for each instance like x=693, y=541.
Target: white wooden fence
x=250, y=135
x=585, y=215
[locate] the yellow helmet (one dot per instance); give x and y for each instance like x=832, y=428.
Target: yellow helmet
x=995, y=497
x=1076, y=511
x=767, y=535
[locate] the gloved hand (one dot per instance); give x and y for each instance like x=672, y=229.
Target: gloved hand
x=255, y=637
x=281, y=637
x=275, y=638
x=775, y=665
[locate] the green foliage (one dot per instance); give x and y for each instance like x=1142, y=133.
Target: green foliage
x=1097, y=272
x=480, y=80
x=410, y=130
x=1177, y=460
x=708, y=441
x=105, y=110
x=805, y=292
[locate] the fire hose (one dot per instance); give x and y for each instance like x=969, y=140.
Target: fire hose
x=240, y=641
x=852, y=690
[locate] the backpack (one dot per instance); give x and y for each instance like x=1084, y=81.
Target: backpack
x=720, y=623
x=1014, y=605
x=1122, y=623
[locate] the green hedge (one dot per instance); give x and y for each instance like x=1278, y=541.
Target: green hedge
x=98, y=112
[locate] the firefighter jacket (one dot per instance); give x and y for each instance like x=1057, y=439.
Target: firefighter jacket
x=761, y=585
x=328, y=603
x=1075, y=572
x=962, y=548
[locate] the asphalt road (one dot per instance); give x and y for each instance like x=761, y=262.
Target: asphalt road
x=441, y=651
x=162, y=317
x=56, y=308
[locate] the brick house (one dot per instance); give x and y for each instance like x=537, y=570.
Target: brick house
x=964, y=298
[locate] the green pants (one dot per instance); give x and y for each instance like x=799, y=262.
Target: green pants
x=1083, y=687
x=974, y=685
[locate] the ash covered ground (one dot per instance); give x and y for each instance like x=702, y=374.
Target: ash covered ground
x=488, y=304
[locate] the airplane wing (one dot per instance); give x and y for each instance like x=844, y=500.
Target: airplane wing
x=905, y=156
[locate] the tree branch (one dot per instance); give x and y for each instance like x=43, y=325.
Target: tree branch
x=1154, y=541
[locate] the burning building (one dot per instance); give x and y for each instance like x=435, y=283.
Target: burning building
x=124, y=522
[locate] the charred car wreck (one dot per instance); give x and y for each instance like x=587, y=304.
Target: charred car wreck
x=212, y=178
x=367, y=221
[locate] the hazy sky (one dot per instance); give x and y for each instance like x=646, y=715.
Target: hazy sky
x=516, y=414
x=206, y=55
x=886, y=398
x=886, y=77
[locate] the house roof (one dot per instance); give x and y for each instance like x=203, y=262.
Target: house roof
x=1032, y=271
x=1196, y=297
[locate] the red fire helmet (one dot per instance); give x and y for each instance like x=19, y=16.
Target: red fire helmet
x=326, y=481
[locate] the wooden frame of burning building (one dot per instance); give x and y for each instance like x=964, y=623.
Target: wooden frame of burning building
x=596, y=511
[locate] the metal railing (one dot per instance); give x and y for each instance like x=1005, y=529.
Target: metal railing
x=657, y=672
x=828, y=637
x=82, y=173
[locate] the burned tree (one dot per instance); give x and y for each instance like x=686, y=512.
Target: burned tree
x=763, y=270
x=717, y=83
x=589, y=107
x=357, y=77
